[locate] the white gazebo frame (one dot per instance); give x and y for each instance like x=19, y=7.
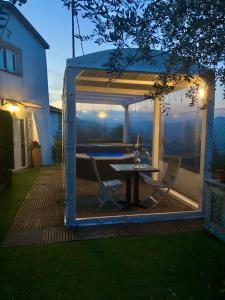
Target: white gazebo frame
x=86, y=79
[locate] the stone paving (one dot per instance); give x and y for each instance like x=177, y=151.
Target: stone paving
x=40, y=218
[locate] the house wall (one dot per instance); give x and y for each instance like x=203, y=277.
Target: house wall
x=32, y=83
x=54, y=116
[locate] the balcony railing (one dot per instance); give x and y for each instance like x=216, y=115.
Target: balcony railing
x=215, y=209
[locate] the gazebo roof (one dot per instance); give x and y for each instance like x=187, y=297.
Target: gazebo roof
x=94, y=85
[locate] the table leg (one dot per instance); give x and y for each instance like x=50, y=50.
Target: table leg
x=128, y=188
x=137, y=203
x=136, y=187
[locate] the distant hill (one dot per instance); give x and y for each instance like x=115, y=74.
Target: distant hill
x=177, y=128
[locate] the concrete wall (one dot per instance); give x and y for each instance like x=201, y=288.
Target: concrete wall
x=32, y=83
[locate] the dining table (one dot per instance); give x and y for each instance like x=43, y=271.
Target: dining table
x=132, y=171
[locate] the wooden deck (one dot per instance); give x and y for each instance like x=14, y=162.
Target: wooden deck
x=40, y=217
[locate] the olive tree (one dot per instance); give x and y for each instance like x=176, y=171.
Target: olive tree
x=191, y=32
x=4, y=16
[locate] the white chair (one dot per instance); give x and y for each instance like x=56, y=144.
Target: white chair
x=109, y=189
x=164, y=185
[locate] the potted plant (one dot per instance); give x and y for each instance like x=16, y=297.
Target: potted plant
x=36, y=154
x=218, y=166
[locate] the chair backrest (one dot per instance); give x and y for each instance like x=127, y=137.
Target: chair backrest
x=172, y=170
x=94, y=164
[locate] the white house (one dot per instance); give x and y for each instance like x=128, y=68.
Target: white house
x=24, y=85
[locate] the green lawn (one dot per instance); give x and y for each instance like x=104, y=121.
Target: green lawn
x=11, y=199
x=177, y=266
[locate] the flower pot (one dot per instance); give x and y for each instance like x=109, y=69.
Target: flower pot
x=220, y=175
x=36, y=157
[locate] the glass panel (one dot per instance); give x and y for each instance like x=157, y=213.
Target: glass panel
x=99, y=123
x=11, y=61
x=141, y=122
x=180, y=136
x=219, y=130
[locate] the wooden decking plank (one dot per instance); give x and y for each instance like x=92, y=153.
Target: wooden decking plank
x=39, y=220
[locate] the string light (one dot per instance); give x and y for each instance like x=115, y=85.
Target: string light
x=102, y=115
x=201, y=93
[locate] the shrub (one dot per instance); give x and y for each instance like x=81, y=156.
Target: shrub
x=57, y=150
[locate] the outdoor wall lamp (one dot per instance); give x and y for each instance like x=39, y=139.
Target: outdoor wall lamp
x=10, y=105
x=12, y=108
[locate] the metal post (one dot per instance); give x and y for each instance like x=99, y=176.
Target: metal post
x=73, y=36
x=207, y=140
x=126, y=124
x=70, y=148
x=156, y=135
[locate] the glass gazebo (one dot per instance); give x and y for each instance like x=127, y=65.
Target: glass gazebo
x=185, y=132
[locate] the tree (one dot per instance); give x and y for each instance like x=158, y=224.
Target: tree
x=4, y=16
x=20, y=2
x=190, y=31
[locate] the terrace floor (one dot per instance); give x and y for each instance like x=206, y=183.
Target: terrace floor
x=87, y=202
x=40, y=217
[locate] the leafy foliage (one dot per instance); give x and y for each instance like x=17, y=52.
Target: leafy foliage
x=191, y=32
x=57, y=150
x=19, y=2
x=4, y=15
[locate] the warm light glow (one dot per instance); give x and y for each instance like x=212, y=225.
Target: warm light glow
x=175, y=115
x=102, y=115
x=201, y=93
x=12, y=108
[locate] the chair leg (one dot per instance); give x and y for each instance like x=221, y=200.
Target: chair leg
x=114, y=201
x=164, y=196
x=101, y=195
x=151, y=197
x=105, y=195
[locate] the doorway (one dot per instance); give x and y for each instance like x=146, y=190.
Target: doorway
x=20, y=143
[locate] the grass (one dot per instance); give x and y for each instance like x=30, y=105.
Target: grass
x=11, y=199
x=177, y=266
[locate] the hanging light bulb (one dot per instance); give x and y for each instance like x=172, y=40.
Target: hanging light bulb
x=201, y=93
x=102, y=115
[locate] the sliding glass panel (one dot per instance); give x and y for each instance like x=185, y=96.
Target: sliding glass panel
x=141, y=122
x=97, y=123
x=181, y=131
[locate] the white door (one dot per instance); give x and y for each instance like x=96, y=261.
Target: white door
x=20, y=144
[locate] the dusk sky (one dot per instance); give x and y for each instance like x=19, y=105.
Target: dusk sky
x=53, y=21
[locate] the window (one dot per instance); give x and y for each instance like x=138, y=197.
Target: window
x=2, y=59
x=8, y=60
